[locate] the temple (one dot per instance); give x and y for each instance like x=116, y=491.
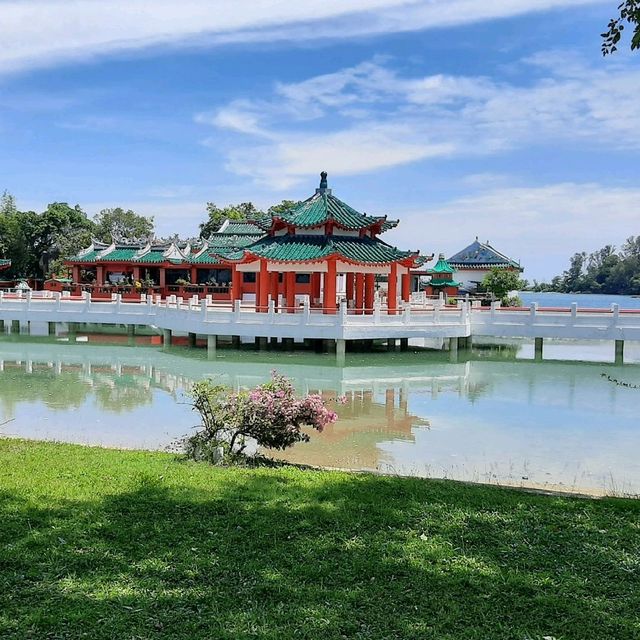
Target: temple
x=321, y=249
x=474, y=262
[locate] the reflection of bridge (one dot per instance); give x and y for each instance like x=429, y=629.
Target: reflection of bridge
x=417, y=320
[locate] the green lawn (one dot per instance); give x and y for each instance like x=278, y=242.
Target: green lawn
x=109, y=544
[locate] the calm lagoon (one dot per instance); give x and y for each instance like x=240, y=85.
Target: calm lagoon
x=492, y=415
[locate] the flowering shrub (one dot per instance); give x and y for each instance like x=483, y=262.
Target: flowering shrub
x=270, y=415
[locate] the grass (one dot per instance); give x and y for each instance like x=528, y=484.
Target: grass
x=101, y=543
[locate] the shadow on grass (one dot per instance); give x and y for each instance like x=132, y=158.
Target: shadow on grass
x=281, y=554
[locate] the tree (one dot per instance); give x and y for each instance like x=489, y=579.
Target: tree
x=629, y=13
x=114, y=225
x=36, y=241
x=217, y=215
x=270, y=415
x=283, y=206
x=500, y=282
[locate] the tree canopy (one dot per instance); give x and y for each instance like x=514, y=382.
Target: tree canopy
x=242, y=211
x=112, y=225
x=500, y=282
x=630, y=14
x=606, y=270
x=37, y=242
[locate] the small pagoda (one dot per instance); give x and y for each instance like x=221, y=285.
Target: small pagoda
x=318, y=246
x=4, y=264
x=442, y=279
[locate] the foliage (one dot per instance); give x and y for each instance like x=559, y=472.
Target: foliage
x=629, y=13
x=103, y=544
x=270, y=415
x=499, y=282
x=242, y=211
x=603, y=271
x=113, y=225
x=283, y=206
x=37, y=242
x=217, y=215
x=512, y=301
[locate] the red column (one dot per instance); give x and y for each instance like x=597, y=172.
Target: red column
x=369, y=287
x=75, y=273
x=290, y=288
x=406, y=287
x=273, y=286
x=359, y=292
x=194, y=275
x=100, y=274
x=262, y=297
x=350, y=286
x=329, y=300
x=136, y=273
x=236, y=284
x=163, y=278
x=315, y=286
x=392, y=290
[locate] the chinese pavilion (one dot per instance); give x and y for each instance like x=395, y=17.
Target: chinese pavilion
x=474, y=262
x=4, y=264
x=321, y=249
x=442, y=278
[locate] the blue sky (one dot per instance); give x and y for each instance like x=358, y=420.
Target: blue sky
x=497, y=118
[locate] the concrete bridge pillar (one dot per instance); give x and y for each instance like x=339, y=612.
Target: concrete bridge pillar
x=166, y=338
x=619, y=352
x=51, y=328
x=341, y=352
x=391, y=344
x=212, y=345
x=235, y=342
x=538, y=348
x=192, y=339
x=404, y=344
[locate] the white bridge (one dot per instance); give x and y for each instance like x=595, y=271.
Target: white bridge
x=419, y=319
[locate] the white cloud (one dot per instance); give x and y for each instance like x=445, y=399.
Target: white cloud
x=541, y=226
x=36, y=33
x=369, y=117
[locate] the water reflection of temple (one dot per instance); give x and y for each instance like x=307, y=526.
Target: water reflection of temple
x=388, y=398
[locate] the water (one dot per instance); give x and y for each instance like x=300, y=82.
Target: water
x=584, y=300
x=493, y=415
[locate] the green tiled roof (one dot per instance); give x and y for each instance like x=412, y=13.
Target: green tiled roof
x=240, y=227
x=442, y=266
x=206, y=257
x=4, y=263
x=152, y=257
x=324, y=207
x=301, y=248
x=121, y=254
x=235, y=241
x=444, y=283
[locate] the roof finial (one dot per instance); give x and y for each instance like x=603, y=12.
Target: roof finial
x=323, y=188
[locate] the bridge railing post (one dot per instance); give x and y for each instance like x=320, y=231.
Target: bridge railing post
x=376, y=311
x=118, y=301
x=28, y=297
x=574, y=311
x=306, y=311
x=615, y=311
x=406, y=313
x=203, y=309
x=271, y=311
x=236, y=310
x=533, y=310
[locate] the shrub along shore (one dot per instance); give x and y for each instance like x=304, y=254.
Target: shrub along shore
x=98, y=543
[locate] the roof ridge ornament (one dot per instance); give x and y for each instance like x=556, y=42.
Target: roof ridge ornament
x=324, y=185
